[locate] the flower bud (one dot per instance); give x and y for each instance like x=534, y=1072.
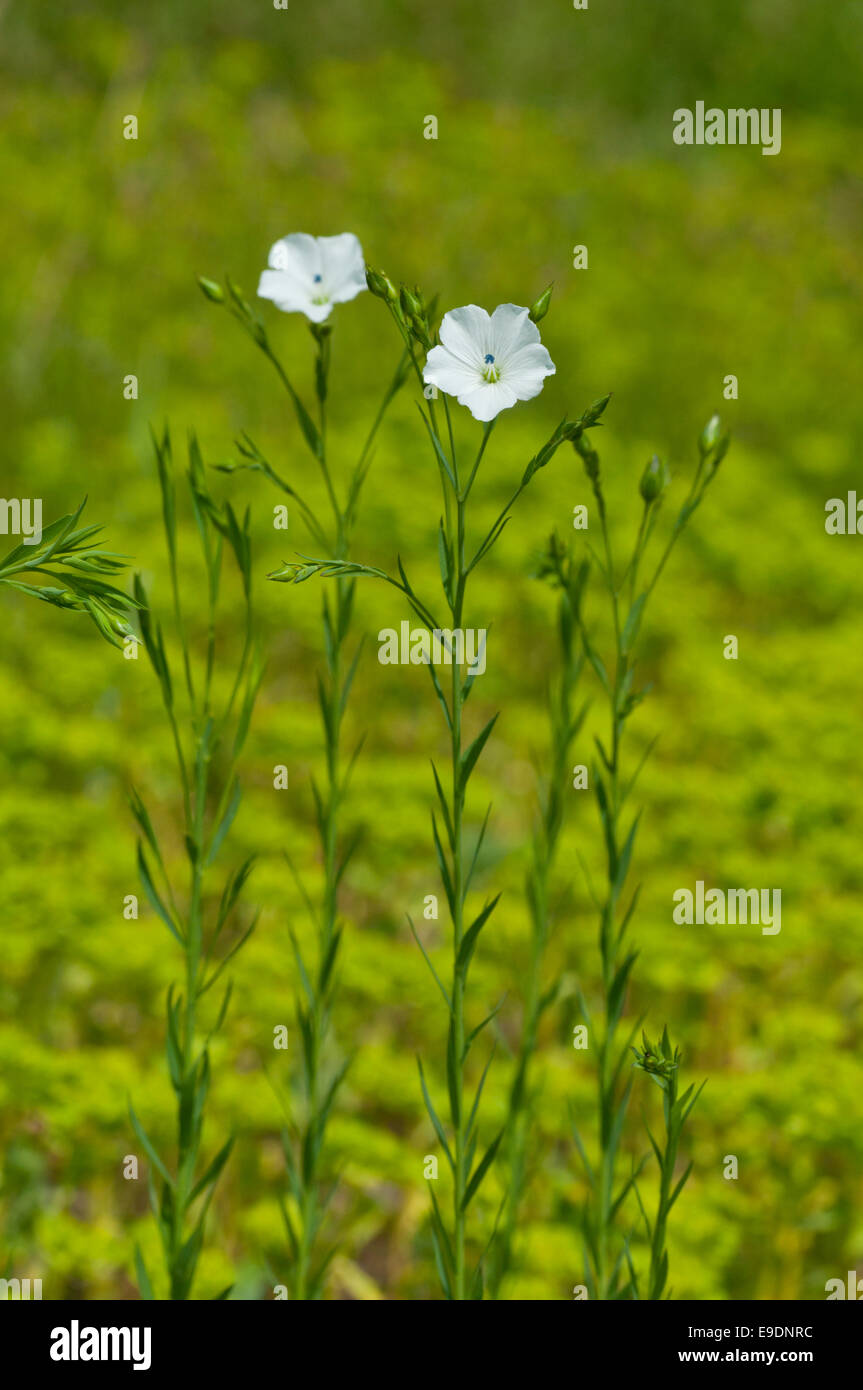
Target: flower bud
x=411, y=305
x=540, y=308
x=419, y=329
x=380, y=285
x=593, y=412
x=710, y=435
x=654, y=479
x=212, y=290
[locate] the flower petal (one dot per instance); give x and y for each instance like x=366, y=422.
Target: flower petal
x=343, y=266
x=286, y=289
x=511, y=329
x=317, y=313
x=527, y=369
x=466, y=332
x=449, y=373
x=488, y=400
x=297, y=253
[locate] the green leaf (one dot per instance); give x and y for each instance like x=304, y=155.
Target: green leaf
x=680, y=1186
x=481, y=1170
x=444, y=560
x=469, y=758
x=443, y=866
x=617, y=991
x=477, y=847
x=440, y=1241
x=443, y=805
x=427, y=959
x=633, y=621
x=144, y=1285
x=155, y=901
x=149, y=1150
x=212, y=1173
x=139, y=811
x=436, y=445
x=469, y=940
x=596, y=662
x=474, y=1034
x=474, y=1110
x=438, y=1127
x=452, y=1069
x=226, y=822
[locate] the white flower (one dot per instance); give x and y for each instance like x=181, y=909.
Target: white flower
x=310, y=274
x=488, y=361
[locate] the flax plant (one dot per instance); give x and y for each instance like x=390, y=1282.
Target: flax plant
x=73, y=558
x=609, y=1271
x=558, y=569
x=208, y=735
x=323, y=1073
x=459, y=557
x=661, y=1065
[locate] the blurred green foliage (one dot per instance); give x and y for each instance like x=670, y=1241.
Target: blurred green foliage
x=554, y=130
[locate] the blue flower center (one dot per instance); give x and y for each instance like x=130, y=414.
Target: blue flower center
x=322, y=297
x=491, y=373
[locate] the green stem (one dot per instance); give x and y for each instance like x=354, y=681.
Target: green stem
x=458, y=919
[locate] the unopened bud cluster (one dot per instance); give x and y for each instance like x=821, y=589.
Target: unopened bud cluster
x=408, y=307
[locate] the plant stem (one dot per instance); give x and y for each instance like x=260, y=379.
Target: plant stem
x=611, y=796
x=189, y=1063
x=458, y=914
x=564, y=725
x=305, y=1142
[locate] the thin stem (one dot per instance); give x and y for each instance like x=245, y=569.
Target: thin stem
x=458, y=983
x=563, y=730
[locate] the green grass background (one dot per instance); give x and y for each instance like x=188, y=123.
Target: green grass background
x=554, y=129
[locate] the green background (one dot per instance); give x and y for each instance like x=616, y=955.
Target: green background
x=554, y=130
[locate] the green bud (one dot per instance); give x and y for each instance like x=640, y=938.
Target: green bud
x=720, y=451
x=419, y=329
x=411, y=306
x=212, y=290
x=593, y=412
x=540, y=308
x=654, y=479
x=380, y=285
x=710, y=436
